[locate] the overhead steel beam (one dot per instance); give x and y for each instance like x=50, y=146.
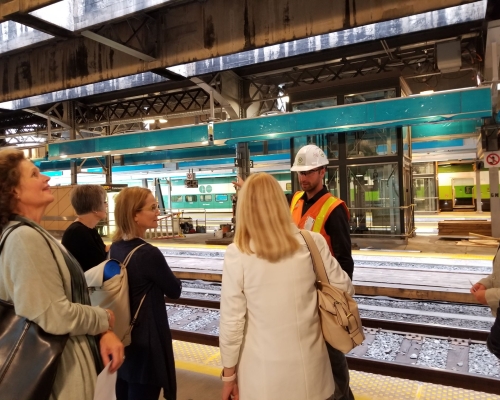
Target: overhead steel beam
x=43, y=26
x=56, y=120
x=117, y=46
x=408, y=111
x=217, y=96
x=197, y=31
x=10, y=8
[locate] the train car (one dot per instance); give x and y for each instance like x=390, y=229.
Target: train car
x=457, y=188
x=213, y=196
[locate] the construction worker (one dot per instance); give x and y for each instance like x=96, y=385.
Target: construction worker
x=315, y=209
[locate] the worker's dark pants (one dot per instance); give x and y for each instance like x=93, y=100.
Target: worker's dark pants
x=494, y=337
x=340, y=374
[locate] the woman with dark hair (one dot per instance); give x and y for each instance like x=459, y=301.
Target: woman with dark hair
x=81, y=238
x=46, y=284
x=149, y=364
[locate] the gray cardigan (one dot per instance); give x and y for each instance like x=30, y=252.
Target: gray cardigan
x=40, y=289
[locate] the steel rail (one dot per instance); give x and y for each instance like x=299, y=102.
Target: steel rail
x=389, y=325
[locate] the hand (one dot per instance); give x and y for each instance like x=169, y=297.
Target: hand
x=230, y=391
x=110, y=345
x=480, y=296
x=238, y=182
x=476, y=287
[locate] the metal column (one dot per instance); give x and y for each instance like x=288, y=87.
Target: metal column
x=494, y=203
x=243, y=160
x=73, y=166
x=479, y=207
x=109, y=162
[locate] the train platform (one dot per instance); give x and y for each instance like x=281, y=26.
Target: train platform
x=383, y=269
x=198, y=368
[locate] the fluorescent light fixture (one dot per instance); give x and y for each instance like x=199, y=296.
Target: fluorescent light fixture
x=286, y=99
x=106, y=151
x=149, y=121
x=498, y=86
x=63, y=156
x=152, y=147
x=204, y=142
x=163, y=120
x=426, y=92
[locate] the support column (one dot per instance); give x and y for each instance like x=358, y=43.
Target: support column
x=494, y=203
x=73, y=166
x=243, y=158
x=479, y=207
x=109, y=179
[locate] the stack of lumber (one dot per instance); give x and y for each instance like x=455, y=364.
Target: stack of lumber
x=463, y=228
x=480, y=241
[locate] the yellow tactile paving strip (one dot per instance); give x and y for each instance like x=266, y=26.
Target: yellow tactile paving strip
x=365, y=386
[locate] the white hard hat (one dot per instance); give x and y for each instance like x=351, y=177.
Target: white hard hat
x=309, y=157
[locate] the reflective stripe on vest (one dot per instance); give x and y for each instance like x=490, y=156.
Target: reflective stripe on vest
x=295, y=200
x=320, y=218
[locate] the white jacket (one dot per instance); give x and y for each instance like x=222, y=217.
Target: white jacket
x=492, y=284
x=269, y=324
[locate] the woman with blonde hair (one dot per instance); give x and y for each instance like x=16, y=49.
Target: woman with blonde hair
x=270, y=335
x=149, y=363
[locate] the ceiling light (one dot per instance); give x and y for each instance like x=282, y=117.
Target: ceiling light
x=426, y=92
x=151, y=147
x=163, y=120
x=149, y=121
x=106, y=151
x=63, y=156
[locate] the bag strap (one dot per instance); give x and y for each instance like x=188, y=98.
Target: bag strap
x=318, y=264
x=6, y=235
x=129, y=255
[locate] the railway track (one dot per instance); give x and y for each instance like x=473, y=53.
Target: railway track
x=428, y=353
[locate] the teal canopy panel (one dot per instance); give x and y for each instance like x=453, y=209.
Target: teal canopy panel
x=458, y=105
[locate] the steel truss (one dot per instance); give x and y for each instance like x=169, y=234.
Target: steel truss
x=415, y=62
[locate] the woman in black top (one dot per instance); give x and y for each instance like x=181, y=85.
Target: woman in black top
x=81, y=238
x=149, y=359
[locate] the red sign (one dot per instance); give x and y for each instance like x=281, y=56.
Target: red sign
x=492, y=159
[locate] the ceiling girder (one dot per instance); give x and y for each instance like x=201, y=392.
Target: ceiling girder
x=193, y=31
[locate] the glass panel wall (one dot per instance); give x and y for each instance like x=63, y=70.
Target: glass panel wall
x=313, y=104
x=371, y=143
x=370, y=96
x=333, y=183
x=425, y=195
x=373, y=198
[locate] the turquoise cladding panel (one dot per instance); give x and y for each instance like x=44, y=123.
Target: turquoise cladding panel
x=439, y=107
x=446, y=128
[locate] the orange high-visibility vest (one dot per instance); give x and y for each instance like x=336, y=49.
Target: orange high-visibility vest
x=319, y=212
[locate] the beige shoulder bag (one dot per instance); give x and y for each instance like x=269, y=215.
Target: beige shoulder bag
x=338, y=311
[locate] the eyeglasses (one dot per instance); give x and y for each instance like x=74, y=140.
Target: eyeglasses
x=307, y=173
x=152, y=207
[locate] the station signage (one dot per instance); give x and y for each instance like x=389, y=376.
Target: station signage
x=492, y=159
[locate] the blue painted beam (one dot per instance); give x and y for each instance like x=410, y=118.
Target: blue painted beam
x=177, y=155
x=443, y=130
x=408, y=111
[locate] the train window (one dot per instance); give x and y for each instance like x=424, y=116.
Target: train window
x=221, y=197
x=205, y=197
x=176, y=198
x=190, y=198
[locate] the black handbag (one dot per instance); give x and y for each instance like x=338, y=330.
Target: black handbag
x=29, y=356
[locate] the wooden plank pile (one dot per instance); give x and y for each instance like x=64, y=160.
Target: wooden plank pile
x=480, y=241
x=457, y=228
